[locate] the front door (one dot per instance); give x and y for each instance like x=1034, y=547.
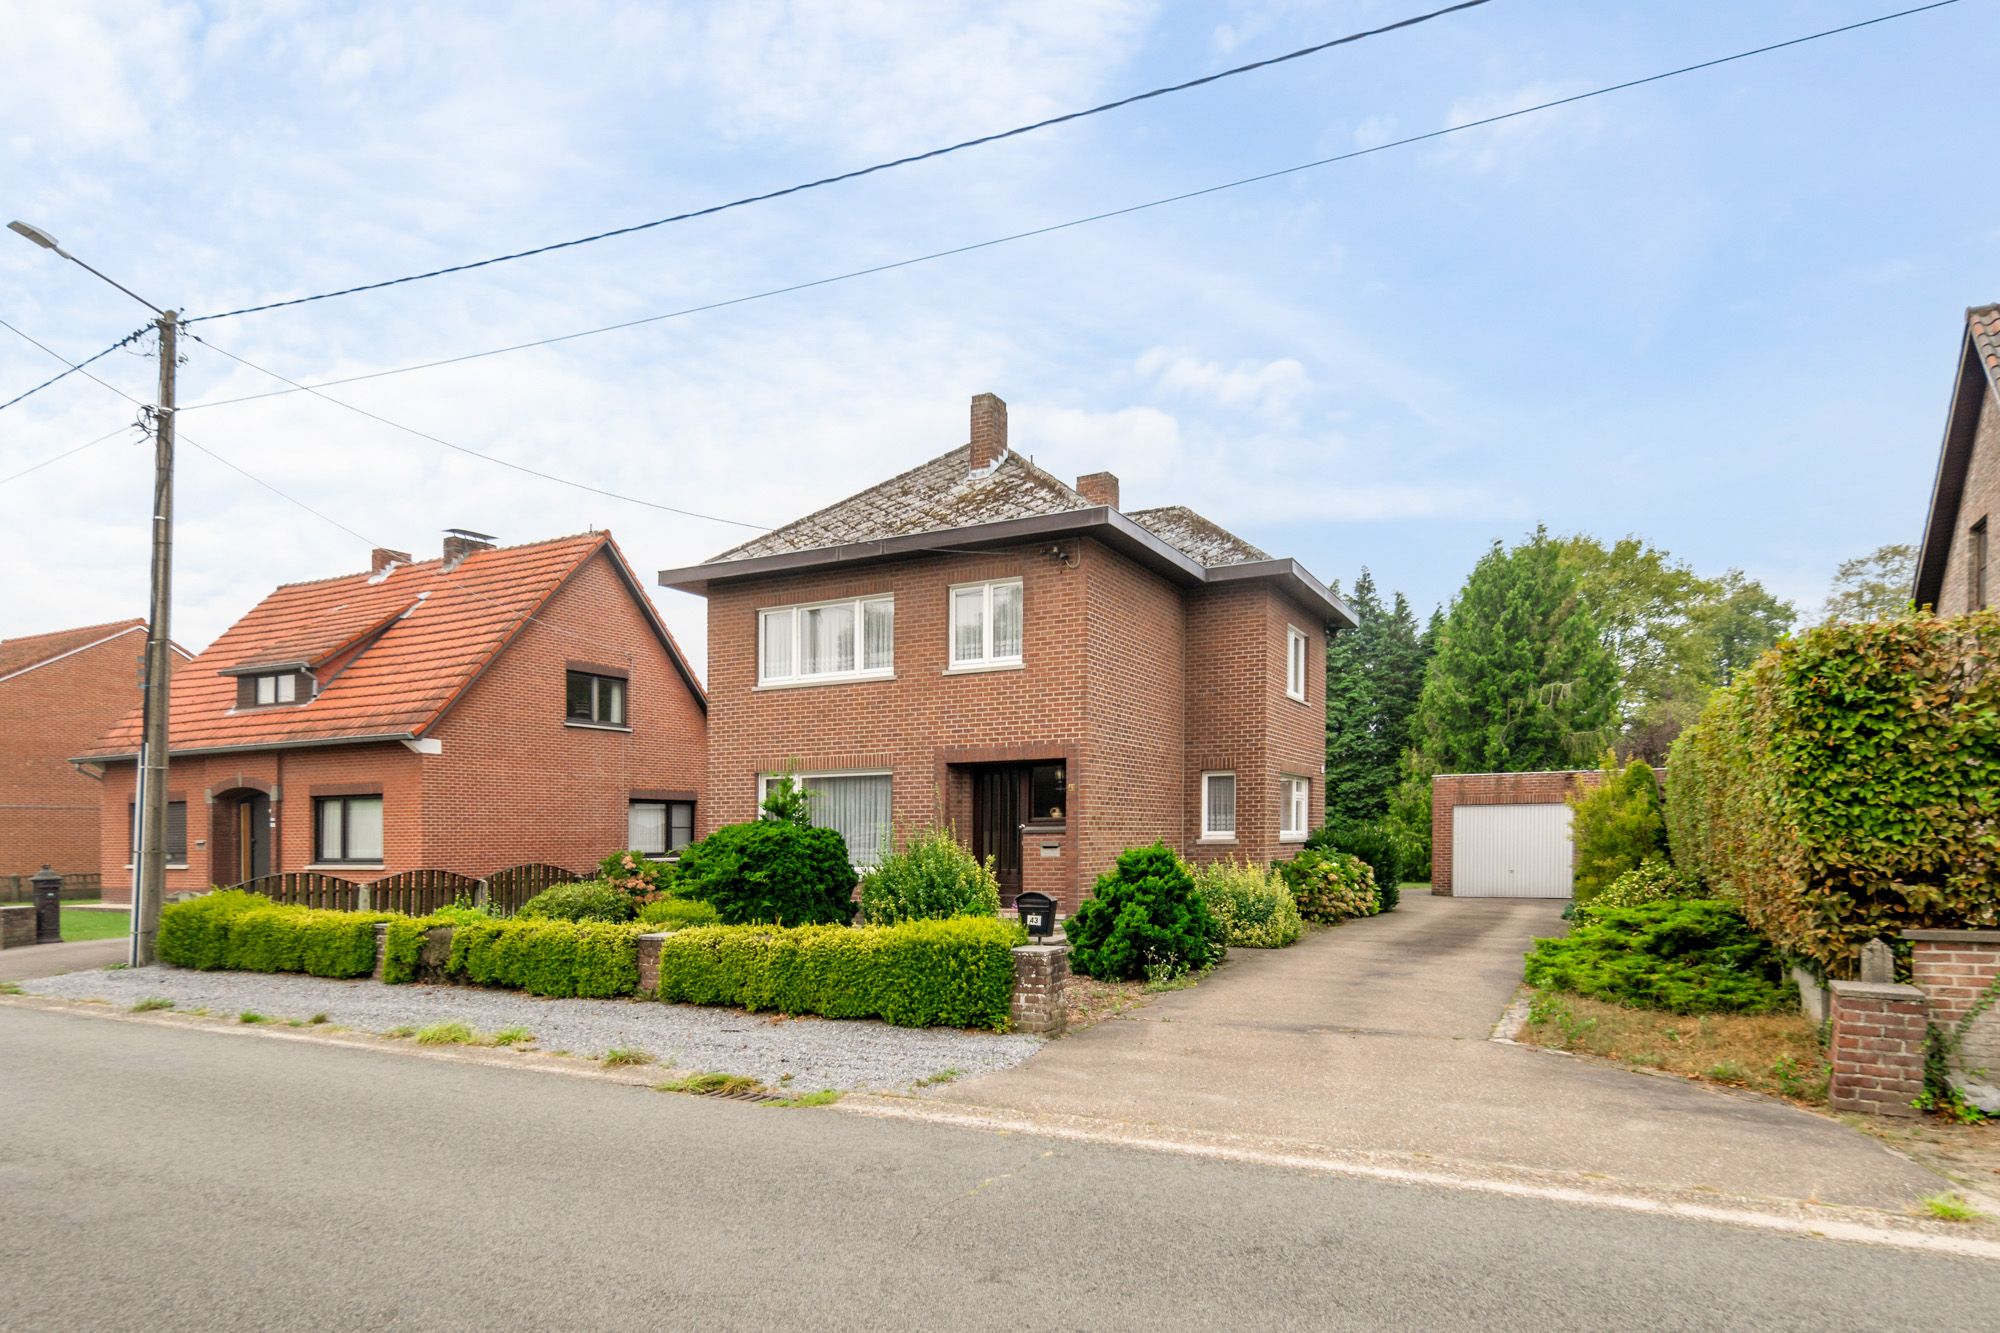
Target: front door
x=253, y=836
x=997, y=795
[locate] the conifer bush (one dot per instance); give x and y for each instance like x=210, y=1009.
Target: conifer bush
x=1145, y=915
x=1687, y=956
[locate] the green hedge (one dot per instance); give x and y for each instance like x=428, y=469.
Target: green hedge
x=593, y=959
x=1844, y=787
x=952, y=973
x=245, y=931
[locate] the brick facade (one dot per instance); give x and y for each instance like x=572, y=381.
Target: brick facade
x=50, y=709
x=1137, y=684
x=1980, y=499
x=512, y=782
x=1955, y=969
x=1451, y=790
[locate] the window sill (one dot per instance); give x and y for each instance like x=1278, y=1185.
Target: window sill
x=596, y=726
x=332, y=867
x=171, y=865
x=1292, y=837
x=1295, y=698
x=979, y=668
x=1216, y=837
x=816, y=681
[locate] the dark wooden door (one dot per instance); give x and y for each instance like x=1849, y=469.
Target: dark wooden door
x=253, y=836
x=998, y=796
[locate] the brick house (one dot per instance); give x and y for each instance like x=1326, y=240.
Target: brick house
x=1955, y=562
x=486, y=709
x=976, y=644
x=58, y=693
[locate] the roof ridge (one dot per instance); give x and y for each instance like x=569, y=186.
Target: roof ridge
x=825, y=509
x=127, y=623
x=438, y=559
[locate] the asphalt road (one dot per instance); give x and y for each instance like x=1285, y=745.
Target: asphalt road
x=162, y=1178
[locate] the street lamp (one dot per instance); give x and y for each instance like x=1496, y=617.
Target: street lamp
x=150, y=882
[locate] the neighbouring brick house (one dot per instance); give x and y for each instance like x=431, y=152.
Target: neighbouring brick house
x=975, y=643
x=1955, y=562
x=58, y=693
x=487, y=709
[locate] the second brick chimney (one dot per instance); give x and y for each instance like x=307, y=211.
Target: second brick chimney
x=1100, y=488
x=382, y=557
x=989, y=431
x=460, y=543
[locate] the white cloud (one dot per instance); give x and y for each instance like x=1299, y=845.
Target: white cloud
x=1267, y=386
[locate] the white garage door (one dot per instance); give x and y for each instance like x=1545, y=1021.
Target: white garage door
x=1510, y=851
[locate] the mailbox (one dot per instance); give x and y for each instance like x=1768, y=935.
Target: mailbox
x=1038, y=914
x=48, y=906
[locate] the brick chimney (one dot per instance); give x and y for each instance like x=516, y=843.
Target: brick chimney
x=382, y=557
x=460, y=543
x=1100, y=488
x=989, y=431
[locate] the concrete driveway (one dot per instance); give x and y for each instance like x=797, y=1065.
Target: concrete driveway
x=53, y=960
x=1374, y=1038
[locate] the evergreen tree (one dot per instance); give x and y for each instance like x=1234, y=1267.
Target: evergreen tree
x=1374, y=673
x=1519, y=679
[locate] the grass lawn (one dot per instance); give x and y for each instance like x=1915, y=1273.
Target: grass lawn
x=1773, y=1053
x=91, y=924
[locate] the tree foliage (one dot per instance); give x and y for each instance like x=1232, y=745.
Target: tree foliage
x=1374, y=675
x=1876, y=586
x=1520, y=679
x=1617, y=825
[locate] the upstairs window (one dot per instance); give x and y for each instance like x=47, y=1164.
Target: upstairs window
x=986, y=624
x=347, y=829
x=1295, y=797
x=268, y=689
x=1295, y=663
x=594, y=700
x=854, y=639
x=659, y=828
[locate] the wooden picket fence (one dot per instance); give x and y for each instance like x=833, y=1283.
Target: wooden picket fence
x=413, y=892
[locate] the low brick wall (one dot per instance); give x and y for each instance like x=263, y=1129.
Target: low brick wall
x=1451, y=790
x=17, y=926
x=1877, y=1052
x=1956, y=969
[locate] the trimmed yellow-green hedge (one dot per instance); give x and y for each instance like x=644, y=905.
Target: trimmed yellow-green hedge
x=233, y=929
x=957, y=972
x=592, y=959
x=1847, y=786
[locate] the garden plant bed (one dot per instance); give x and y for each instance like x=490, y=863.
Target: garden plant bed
x=806, y=1053
x=1777, y=1054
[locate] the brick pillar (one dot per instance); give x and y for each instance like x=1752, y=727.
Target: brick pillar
x=1956, y=969
x=649, y=962
x=1040, y=973
x=1879, y=1033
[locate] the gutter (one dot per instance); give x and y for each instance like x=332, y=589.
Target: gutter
x=316, y=743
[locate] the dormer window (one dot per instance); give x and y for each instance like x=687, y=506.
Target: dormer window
x=272, y=689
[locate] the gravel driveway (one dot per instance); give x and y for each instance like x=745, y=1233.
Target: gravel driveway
x=815, y=1052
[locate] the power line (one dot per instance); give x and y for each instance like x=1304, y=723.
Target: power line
x=1052, y=228
x=67, y=453
x=984, y=139
x=127, y=340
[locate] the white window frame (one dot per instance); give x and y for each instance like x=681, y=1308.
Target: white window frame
x=283, y=687
x=861, y=671
x=986, y=661
x=1294, y=803
x=1235, y=805
x=764, y=781
x=1298, y=661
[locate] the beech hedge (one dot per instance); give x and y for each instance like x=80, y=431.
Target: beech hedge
x=592, y=959
x=1845, y=786
x=951, y=973
x=246, y=931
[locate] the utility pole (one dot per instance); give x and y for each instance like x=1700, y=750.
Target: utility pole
x=149, y=879
x=150, y=885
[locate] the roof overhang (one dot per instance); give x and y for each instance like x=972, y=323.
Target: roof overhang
x=1954, y=462
x=252, y=747
x=1100, y=523
x=264, y=668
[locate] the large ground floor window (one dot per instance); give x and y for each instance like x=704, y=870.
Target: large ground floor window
x=347, y=829
x=854, y=805
x=177, y=832
x=659, y=828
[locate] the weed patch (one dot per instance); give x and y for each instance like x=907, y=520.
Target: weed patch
x=513, y=1037
x=824, y=1097
x=152, y=1002
x=446, y=1034
x=252, y=1016
x=942, y=1076
x=1951, y=1208
x=712, y=1085
x=1777, y=1054
x=619, y=1056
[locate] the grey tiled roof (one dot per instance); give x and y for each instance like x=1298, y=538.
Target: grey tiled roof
x=1195, y=537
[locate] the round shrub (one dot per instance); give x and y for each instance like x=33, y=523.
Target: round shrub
x=1687, y=956
x=674, y=913
x=637, y=875
x=1385, y=845
x=588, y=900
x=1652, y=880
x=1145, y=915
x=1330, y=886
x=771, y=872
x=932, y=878
x=1251, y=903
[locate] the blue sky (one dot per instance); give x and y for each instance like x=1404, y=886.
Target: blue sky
x=1720, y=312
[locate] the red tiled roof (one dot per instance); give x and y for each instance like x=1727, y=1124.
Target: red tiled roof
x=424, y=632
x=1983, y=324
x=18, y=654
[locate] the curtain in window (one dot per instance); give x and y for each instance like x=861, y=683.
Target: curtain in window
x=774, y=652
x=879, y=635
x=1006, y=621
x=1221, y=802
x=828, y=640
x=680, y=822
x=857, y=808
x=968, y=625
x=646, y=827
x=364, y=829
